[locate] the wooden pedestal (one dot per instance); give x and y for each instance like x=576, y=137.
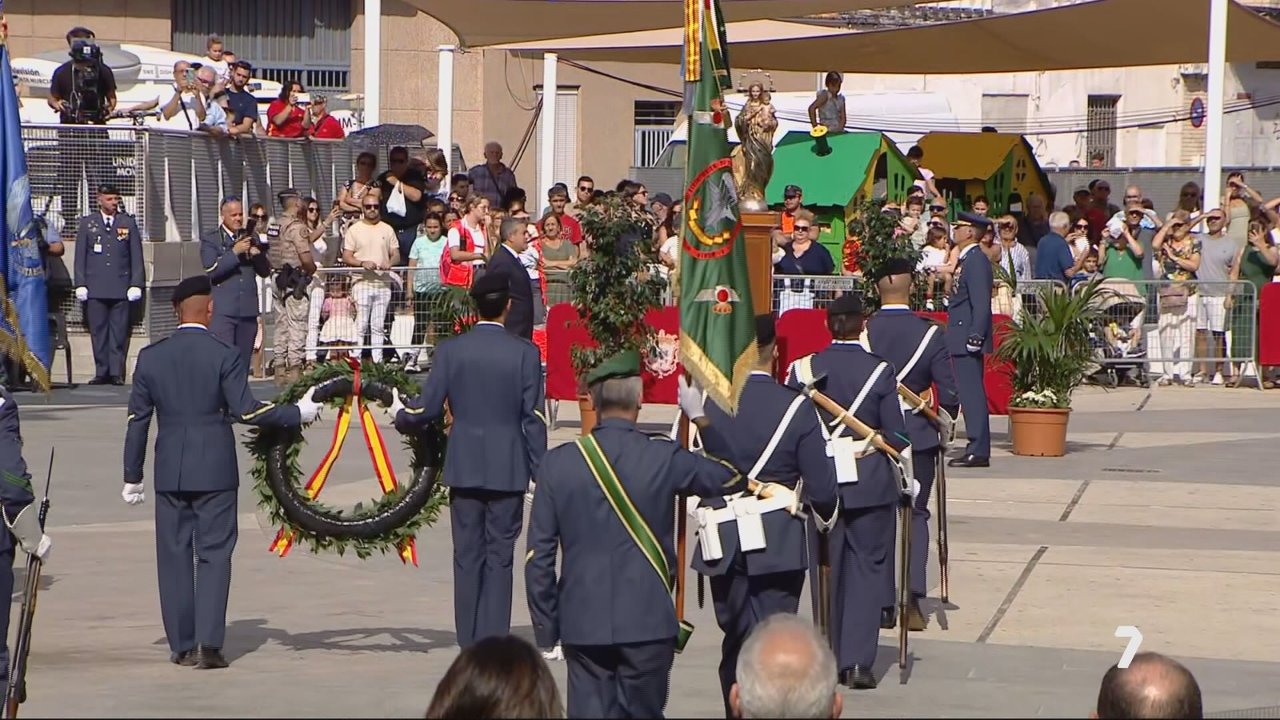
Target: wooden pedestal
x=757, y=227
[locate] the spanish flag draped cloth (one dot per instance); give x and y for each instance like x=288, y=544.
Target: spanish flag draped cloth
x=377, y=451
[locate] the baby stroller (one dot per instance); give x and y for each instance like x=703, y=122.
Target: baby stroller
x=1119, y=341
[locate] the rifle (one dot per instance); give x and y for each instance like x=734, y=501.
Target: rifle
x=16, y=692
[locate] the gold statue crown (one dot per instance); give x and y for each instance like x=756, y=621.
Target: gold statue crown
x=749, y=78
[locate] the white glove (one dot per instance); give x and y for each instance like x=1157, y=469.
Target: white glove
x=26, y=528
x=826, y=525
x=133, y=294
x=308, y=408
x=948, y=429
x=690, y=399
x=397, y=405
x=973, y=348
x=554, y=654
x=82, y=293
x=133, y=493
x=528, y=494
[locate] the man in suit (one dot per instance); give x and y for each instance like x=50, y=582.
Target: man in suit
x=917, y=349
x=969, y=336
x=505, y=263
x=754, y=550
x=870, y=492
x=21, y=515
x=233, y=260
x=615, y=619
x=109, y=276
x=492, y=382
x=197, y=386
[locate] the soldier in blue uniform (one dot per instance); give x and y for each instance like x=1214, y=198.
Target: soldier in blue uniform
x=969, y=336
x=233, y=260
x=917, y=349
x=109, y=276
x=870, y=491
x=197, y=386
x=754, y=550
x=492, y=381
x=607, y=503
x=21, y=516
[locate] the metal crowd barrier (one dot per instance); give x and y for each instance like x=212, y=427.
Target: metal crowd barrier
x=791, y=292
x=1170, y=332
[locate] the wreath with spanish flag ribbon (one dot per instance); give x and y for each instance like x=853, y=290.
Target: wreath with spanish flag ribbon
x=392, y=523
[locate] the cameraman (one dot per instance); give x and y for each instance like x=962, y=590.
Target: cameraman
x=233, y=260
x=83, y=92
x=92, y=99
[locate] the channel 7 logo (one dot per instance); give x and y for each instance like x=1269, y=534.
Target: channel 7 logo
x=1135, y=641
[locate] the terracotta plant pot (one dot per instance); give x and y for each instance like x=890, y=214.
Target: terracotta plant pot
x=587, y=411
x=1039, y=432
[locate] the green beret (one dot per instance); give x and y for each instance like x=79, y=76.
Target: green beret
x=623, y=365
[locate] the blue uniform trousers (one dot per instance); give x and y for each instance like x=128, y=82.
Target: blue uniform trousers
x=861, y=569
x=238, y=332
x=743, y=601
x=619, y=681
x=926, y=469
x=973, y=401
x=6, y=603
x=485, y=526
x=109, y=332
x=195, y=536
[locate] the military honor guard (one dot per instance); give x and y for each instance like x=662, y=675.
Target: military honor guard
x=969, y=336
x=607, y=504
x=21, y=515
x=862, y=385
x=492, y=381
x=917, y=349
x=109, y=276
x=753, y=549
x=233, y=260
x=197, y=386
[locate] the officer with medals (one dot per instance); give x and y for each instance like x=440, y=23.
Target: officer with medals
x=492, y=382
x=109, y=276
x=607, y=504
x=21, y=516
x=869, y=485
x=754, y=549
x=969, y=336
x=917, y=348
x=197, y=386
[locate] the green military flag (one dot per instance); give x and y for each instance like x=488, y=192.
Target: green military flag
x=717, y=326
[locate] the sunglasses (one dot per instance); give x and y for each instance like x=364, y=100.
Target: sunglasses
x=259, y=216
x=586, y=188
x=371, y=207
x=1190, y=193
x=313, y=209
x=1082, y=226
x=802, y=228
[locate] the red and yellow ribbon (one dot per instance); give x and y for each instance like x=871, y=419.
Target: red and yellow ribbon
x=377, y=451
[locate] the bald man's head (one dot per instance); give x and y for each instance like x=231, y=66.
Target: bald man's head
x=196, y=309
x=785, y=670
x=1153, y=686
x=894, y=289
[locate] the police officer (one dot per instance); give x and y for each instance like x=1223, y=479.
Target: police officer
x=233, y=260
x=21, y=515
x=969, y=336
x=917, y=349
x=864, y=385
x=293, y=264
x=607, y=503
x=754, y=550
x=109, y=276
x=197, y=386
x=492, y=381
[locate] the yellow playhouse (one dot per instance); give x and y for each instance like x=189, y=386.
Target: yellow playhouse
x=966, y=165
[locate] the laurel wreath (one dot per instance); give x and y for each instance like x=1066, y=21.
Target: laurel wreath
x=382, y=528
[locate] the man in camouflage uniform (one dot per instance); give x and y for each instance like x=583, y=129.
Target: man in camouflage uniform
x=291, y=260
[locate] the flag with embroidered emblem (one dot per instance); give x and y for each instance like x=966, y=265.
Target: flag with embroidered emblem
x=717, y=325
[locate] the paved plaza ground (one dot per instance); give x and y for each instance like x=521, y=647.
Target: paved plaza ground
x=1163, y=516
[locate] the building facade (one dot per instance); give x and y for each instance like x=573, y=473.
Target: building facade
x=612, y=116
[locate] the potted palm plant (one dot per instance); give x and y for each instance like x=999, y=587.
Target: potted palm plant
x=1050, y=350
x=613, y=287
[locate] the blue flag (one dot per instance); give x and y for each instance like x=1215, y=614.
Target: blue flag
x=24, y=320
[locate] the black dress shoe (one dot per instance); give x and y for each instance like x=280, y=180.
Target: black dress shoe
x=888, y=619
x=117, y=381
x=969, y=461
x=185, y=658
x=858, y=678
x=100, y=381
x=211, y=659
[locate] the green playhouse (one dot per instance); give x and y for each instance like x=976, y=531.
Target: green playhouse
x=832, y=182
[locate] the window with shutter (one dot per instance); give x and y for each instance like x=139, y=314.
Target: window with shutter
x=565, y=163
